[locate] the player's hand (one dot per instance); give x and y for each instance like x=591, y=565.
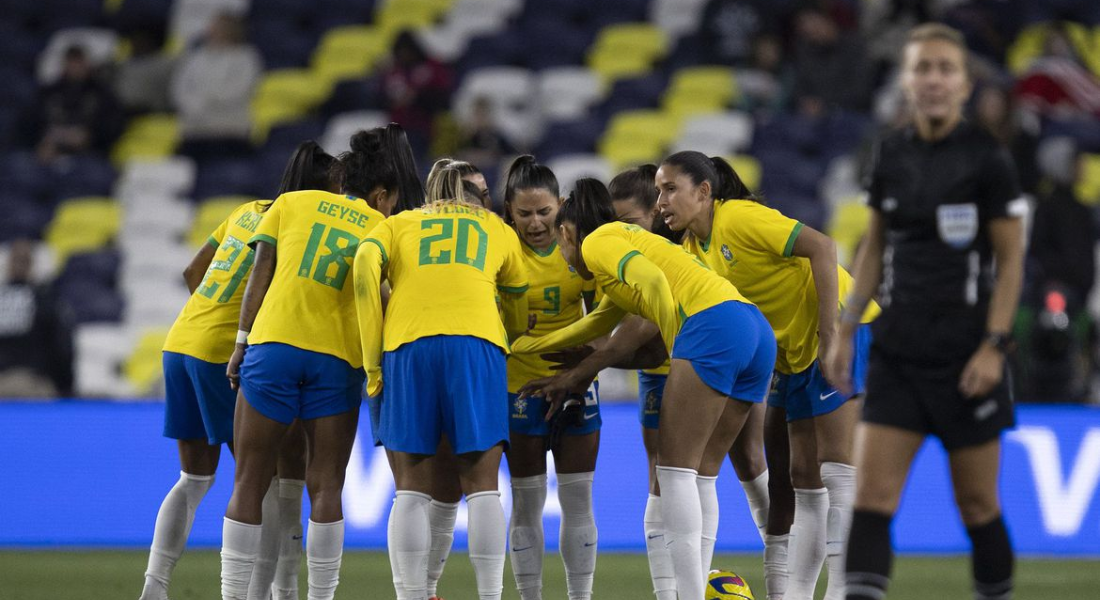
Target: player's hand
x=562, y=415
x=982, y=373
x=836, y=363
x=233, y=370
x=568, y=358
x=532, y=320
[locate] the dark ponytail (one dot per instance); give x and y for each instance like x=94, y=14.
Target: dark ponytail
x=309, y=168
x=381, y=157
x=587, y=207
x=637, y=184
x=527, y=174
x=725, y=184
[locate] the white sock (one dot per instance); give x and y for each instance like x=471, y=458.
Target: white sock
x=391, y=534
x=324, y=553
x=807, y=543
x=290, y=536
x=441, y=521
x=174, y=519
x=756, y=492
x=840, y=480
x=775, y=565
x=708, y=502
x=412, y=541
x=487, y=539
x=683, y=517
x=240, y=546
x=660, y=562
x=263, y=574
x=526, y=538
x=578, y=536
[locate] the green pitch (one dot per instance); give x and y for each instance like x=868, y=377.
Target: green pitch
x=105, y=575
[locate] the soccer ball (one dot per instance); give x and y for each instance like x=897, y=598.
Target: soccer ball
x=725, y=585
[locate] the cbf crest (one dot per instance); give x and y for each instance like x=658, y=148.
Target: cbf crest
x=957, y=224
x=726, y=254
x=521, y=406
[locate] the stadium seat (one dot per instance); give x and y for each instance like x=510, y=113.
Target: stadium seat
x=283, y=44
x=554, y=43
x=284, y=96
x=160, y=217
x=24, y=217
x=337, y=136
x=190, y=18
x=677, y=17
x=394, y=17
x=510, y=91
x=1088, y=184
x=642, y=124
x=712, y=82
x=100, y=45
x=846, y=227
x=571, y=167
x=748, y=169
x=142, y=368
x=227, y=176
x=83, y=224
x=717, y=134
x=627, y=49
x=147, y=137
x=100, y=349
x=84, y=175
x=210, y=214
x=349, y=52
x=567, y=93
x=174, y=176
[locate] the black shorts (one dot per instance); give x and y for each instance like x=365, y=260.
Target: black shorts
x=925, y=398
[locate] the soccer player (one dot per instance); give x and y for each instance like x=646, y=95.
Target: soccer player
x=471, y=174
x=557, y=297
x=790, y=272
x=438, y=359
x=199, y=403
x=721, y=364
x=298, y=353
x=634, y=198
x=945, y=242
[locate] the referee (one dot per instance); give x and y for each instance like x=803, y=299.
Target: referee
x=946, y=208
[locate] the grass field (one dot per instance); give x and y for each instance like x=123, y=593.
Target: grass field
x=111, y=575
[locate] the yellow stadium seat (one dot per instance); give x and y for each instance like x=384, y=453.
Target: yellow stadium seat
x=610, y=66
x=143, y=368
x=348, y=52
x=627, y=49
x=210, y=215
x=748, y=169
x=399, y=15
x=847, y=226
x=1088, y=183
x=83, y=225
x=642, y=124
x=286, y=95
x=684, y=107
x=147, y=137
x=624, y=152
x=710, y=82
x=1028, y=46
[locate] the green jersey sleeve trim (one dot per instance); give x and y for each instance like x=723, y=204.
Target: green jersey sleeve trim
x=263, y=238
x=385, y=258
x=513, y=289
x=790, y=240
x=213, y=242
x=624, y=260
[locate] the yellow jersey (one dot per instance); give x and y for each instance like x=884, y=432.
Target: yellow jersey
x=310, y=303
x=206, y=328
x=751, y=245
x=611, y=251
x=556, y=299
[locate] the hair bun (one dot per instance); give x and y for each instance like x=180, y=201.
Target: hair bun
x=366, y=141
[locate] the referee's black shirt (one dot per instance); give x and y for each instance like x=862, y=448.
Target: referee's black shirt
x=936, y=200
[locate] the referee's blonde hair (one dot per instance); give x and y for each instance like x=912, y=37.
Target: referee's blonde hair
x=938, y=32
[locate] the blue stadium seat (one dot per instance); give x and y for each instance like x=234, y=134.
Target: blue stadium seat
x=142, y=14
x=227, y=177
x=24, y=217
x=21, y=174
x=570, y=137
x=91, y=302
x=19, y=49
x=554, y=43
x=499, y=49
x=357, y=94
x=298, y=11
x=61, y=14
x=292, y=134
x=281, y=43
x=82, y=176
x=92, y=268
x=634, y=93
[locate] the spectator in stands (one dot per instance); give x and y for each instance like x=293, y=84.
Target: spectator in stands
x=729, y=28
x=142, y=81
x=36, y=357
x=823, y=57
x=416, y=87
x=213, y=89
x=1058, y=85
x=765, y=85
x=996, y=111
x=77, y=114
x=483, y=145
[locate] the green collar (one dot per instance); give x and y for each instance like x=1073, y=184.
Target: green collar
x=544, y=253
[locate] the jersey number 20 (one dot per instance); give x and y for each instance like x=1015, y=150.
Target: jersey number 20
x=432, y=250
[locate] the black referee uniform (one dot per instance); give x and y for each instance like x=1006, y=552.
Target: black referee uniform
x=936, y=200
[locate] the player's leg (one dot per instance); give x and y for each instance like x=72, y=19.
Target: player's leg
x=575, y=462
x=330, y=440
x=198, y=462
x=442, y=512
x=410, y=535
x=747, y=458
x=291, y=483
x=717, y=449
x=835, y=435
x=487, y=536
x=650, y=390
x=527, y=466
x=806, y=546
x=780, y=501
x=974, y=475
x=883, y=456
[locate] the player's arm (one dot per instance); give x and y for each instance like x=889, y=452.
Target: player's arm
x=367, y=275
x=629, y=347
x=595, y=324
x=196, y=270
x=651, y=286
x=513, y=310
x=263, y=270
x=512, y=284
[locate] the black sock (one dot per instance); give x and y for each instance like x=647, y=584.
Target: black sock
x=991, y=560
x=869, y=556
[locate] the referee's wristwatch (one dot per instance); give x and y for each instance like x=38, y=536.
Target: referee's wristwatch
x=1002, y=342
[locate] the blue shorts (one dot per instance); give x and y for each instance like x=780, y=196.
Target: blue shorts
x=732, y=349
x=453, y=385
x=199, y=402
x=651, y=388
x=529, y=414
x=285, y=383
x=807, y=394
x=374, y=410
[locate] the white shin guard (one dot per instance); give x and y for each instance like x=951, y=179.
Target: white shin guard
x=578, y=535
x=682, y=514
x=240, y=546
x=487, y=540
x=441, y=521
x=174, y=519
x=324, y=553
x=806, y=549
x=412, y=541
x=526, y=537
x=840, y=480
x=756, y=492
x=660, y=561
x=708, y=503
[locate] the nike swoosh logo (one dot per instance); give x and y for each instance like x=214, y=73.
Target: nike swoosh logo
x=590, y=545
x=521, y=549
x=295, y=537
x=590, y=416
x=653, y=537
x=824, y=396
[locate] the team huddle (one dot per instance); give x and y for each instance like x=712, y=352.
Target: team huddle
x=474, y=336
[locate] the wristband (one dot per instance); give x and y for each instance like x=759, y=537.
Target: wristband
x=242, y=336
x=1002, y=342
